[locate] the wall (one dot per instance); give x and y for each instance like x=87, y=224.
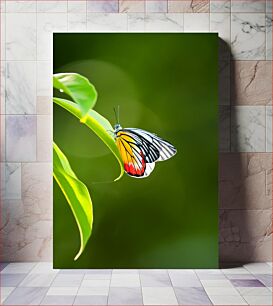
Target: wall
x=245, y=97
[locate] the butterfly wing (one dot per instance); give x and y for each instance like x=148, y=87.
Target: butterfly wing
x=140, y=150
x=159, y=149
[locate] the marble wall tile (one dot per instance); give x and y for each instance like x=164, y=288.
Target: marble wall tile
x=103, y=6
x=196, y=22
x=44, y=77
x=248, y=129
x=37, y=189
x=3, y=36
x=3, y=87
x=220, y=23
x=248, y=36
x=243, y=181
x=224, y=82
x=268, y=24
x=224, y=131
x=131, y=6
x=136, y=22
x=100, y=22
x=59, y=6
x=248, y=6
x=3, y=138
x=77, y=22
x=20, y=138
x=159, y=6
x=268, y=128
x=44, y=105
x=160, y=22
x=252, y=83
x=220, y=6
x=245, y=235
x=269, y=6
x=78, y=6
x=20, y=87
x=20, y=36
x=21, y=6
x=188, y=6
x=47, y=24
x=12, y=173
x=3, y=6
x=44, y=138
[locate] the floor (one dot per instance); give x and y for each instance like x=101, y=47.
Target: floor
x=39, y=284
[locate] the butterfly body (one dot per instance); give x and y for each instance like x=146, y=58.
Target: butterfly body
x=140, y=150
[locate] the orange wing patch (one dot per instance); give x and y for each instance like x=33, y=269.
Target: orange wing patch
x=131, y=154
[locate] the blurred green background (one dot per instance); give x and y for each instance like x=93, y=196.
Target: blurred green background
x=166, y=84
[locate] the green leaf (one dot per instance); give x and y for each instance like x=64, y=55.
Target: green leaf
x=98, y=124
x=78, y=88
x=76, y=194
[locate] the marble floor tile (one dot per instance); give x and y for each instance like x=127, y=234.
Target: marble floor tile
x=125, y=296
x=125, y=280
x=216, y=283
x=11, y=280
x=86, y=291
x=58, y=300
x=227, y=300
x=5, y=292
x=155, y=280
x=159, y=296
x=258, y=268
x=90, y=300
x=62, y=291
x=125, y=271
x=96, y=283
x=26, y=296
x=191, y=296
x=248, y=36
x=97, y=276
x=67, y=280
x=160, y=22
x=3, y=265
x=258, y=299
x=18, y=267
x=184, y=280
x=43, y=267
x=12, y=173
x=38, y=280
x=240, y=276
x=266, y=279
x=254, y=291
x=102, y=6
x=221, y=291
x=77, y=22
x=246, y=283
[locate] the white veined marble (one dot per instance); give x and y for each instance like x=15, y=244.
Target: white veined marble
x=268, y=24
x=59, y=6
x=160, y=22
x=12, y=173
x=220, y=6
x=20, y=36
x=159, y=6
x=196, y=22
x=20, y=138
x=102, y=6
x=248, y=36
x=20, y=94
x=268, y=128
x=77, y=22
x=106, y=22
x=248, y=6
x=21, y=6
x=77, y=6
x=135, y=22
x=248, y=129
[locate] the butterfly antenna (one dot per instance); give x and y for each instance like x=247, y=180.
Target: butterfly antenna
x=116, y=115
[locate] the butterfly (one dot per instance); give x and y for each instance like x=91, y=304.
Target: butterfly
x=140, y=149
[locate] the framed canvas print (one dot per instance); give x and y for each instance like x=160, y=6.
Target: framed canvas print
x=135, y=150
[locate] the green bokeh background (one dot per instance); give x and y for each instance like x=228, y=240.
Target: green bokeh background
x=166, y=84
